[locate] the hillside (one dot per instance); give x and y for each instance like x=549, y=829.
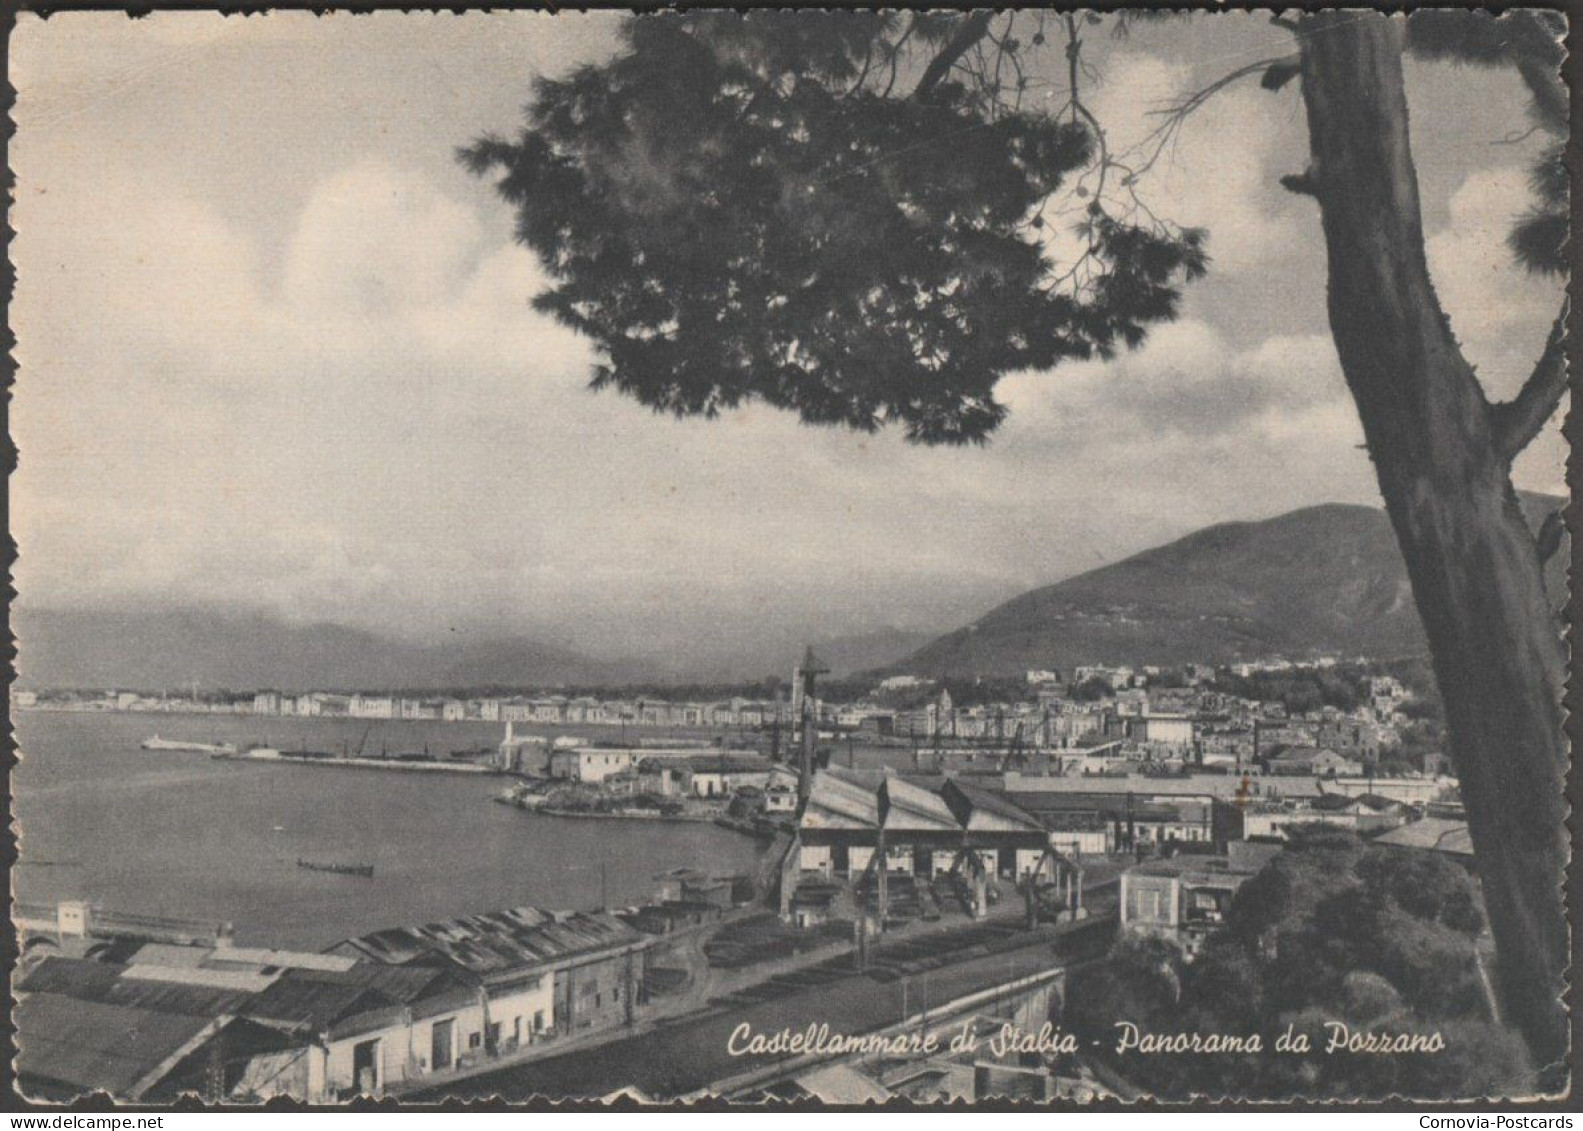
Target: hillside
x=1323, y=579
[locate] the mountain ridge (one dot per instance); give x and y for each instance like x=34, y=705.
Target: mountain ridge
x=1327, y=578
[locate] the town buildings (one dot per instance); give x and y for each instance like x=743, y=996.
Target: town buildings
x=148, y=1020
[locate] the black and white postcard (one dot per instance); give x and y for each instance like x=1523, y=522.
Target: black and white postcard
x=841, y=556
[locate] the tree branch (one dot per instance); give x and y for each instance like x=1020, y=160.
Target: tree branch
x=970, y=32
x=1516, y=422
x=1161, y=136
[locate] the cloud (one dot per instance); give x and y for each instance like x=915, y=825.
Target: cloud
x=1501, y=313
x=381, y=430
x=1216, y=172
x=327, y=395
x=1186, y=380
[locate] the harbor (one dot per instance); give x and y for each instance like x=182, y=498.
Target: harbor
x=182, y=834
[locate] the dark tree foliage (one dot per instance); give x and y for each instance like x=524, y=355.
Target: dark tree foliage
x=1332, y=931
x=1300, y=690
x=987, y=691
x=1092, y=690
x=740, y=207
x=1532, y=42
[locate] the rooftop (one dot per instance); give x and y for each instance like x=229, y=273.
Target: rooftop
x=1202, y=785
x=316, y=999
x=498, y=941
x=106, y=983
x=912, y=808
x=101, y=1046
x=835, y=803
x=1436, y=834
x=1197, y=869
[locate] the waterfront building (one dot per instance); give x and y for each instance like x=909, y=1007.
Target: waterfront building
x=551, y=711
x=371, y=707
x=541, y=974
x=515, y=711
x=924, y=831
x=86, y=1028
x=590, y=764
x=417, y=709
x=358, y=1031
x=150, y=1020
x=721, y=775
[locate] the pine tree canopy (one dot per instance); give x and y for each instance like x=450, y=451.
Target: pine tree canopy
x=813, y=210
x=853, y=215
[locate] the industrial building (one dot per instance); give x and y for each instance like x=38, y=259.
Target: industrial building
x=850, y=825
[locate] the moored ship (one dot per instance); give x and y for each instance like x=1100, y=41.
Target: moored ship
x=364, y=871
x=158, y=743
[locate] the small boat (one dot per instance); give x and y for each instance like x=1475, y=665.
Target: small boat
x=366, y=871
x=158, y=743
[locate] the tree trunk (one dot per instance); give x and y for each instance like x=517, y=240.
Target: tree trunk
x=1472, y=561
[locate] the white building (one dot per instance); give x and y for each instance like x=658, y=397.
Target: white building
x=372, y=707
x=590, y=764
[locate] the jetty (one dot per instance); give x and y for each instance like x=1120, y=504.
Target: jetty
x=402, y=765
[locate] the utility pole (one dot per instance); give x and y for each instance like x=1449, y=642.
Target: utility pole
x=812, y=667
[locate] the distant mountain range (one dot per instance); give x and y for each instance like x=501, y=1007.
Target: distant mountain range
x=154, y=649
x=1323, y=579
x=170, y=649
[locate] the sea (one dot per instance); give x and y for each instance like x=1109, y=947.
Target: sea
x=185, y=835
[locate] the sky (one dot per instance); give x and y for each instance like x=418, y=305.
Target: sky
x=275, y=353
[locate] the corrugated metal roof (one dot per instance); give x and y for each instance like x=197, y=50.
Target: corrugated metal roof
x=837, y=804
x=95, y=1045
x=910, y=808
x=318, y=999
x=982, y=810
x=294, y=959
x=169, y=954
x=103, y=982
x=499, y=941
x=244, y=981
